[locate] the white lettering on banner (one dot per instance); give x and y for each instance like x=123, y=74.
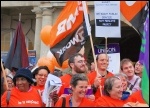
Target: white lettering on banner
x=78, y=38
x=109, y=50
x=66, y=24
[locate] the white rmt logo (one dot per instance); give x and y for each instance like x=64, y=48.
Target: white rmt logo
x=66, y=24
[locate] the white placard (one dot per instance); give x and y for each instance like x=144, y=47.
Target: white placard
x=107, y=19
x=113, y=52
x=114, y=63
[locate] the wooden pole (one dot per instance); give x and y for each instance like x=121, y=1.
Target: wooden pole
x=4, y=75
x=19, y=16
x=85, y=8
x=106, y=45
x=91, y=41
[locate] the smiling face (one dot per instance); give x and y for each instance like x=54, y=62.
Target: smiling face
x=124, y=83
x=41, y=77
x=138, y=67
x=22, y=84
x=79, y=64
x=80, y=89
x=102, y=62
x=10, y=83
x=128, y=69
x=117, y=90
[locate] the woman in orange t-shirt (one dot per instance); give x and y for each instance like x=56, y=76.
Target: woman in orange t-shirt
x=23, y=94
x=112, y=93
x=40, y=75
x=79, y=84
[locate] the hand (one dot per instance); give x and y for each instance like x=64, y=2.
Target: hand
x=54, y=97
x=64, y=95
x=97, y=82
x=91, y=97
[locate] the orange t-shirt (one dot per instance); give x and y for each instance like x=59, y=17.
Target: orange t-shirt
x=65, y=83
x=84, y=103
x=22, y=99
x=106, y=101
x=92, y=77
x=41, y=88
x=136, y=96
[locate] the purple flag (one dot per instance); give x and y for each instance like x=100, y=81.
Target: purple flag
x=17, y=56
x=144, y=58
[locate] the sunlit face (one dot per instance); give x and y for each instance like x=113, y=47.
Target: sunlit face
x=10, y=83
x=80, y=89
x=102, y=62
x=124, y=83
x=41, y=77
x=138, y=67
x=117, y=90
x=22, y=84
x=128, y=69
x=79, y=65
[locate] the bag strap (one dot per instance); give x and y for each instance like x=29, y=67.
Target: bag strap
x=8, y=97
x=39, y=92
x=134, y=84
x=63, y=102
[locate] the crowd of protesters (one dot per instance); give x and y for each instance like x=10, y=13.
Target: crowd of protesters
x=84, y=86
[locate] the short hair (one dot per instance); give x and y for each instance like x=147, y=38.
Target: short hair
x=99, y=55
x=122, y=75
x=109, y=83
x=57, y=73
x=71, y=59
x=124, y=61
x=78, y=77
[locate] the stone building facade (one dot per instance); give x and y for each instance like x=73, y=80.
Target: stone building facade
x=36, y=14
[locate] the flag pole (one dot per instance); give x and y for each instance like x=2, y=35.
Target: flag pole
x=106, y=45
x=19, y=17
x=91, y=41
x=89, y=33
x=4, y=75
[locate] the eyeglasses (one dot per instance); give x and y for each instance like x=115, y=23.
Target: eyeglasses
x=42, y=75
x=81, y=61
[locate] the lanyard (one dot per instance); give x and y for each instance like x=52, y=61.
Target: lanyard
x=70, y=102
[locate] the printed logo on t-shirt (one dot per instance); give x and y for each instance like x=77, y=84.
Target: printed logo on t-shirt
x=28, y=102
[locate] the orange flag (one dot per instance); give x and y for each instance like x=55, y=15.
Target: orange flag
x=69, y=33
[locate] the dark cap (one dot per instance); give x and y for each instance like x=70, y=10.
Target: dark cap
x=22, y=72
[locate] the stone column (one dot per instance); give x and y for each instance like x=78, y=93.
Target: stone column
x=38, y=27
x=46, y=20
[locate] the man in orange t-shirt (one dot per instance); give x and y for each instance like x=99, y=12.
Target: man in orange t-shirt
x=77, y=65
x=98, y=82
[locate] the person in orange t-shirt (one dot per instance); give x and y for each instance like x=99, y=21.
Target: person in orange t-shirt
x=112, y=94
x=79, y=85
x=77, y=65
x=23, y=94
x=40, y=75
x=98, y=82
x=136, y=97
